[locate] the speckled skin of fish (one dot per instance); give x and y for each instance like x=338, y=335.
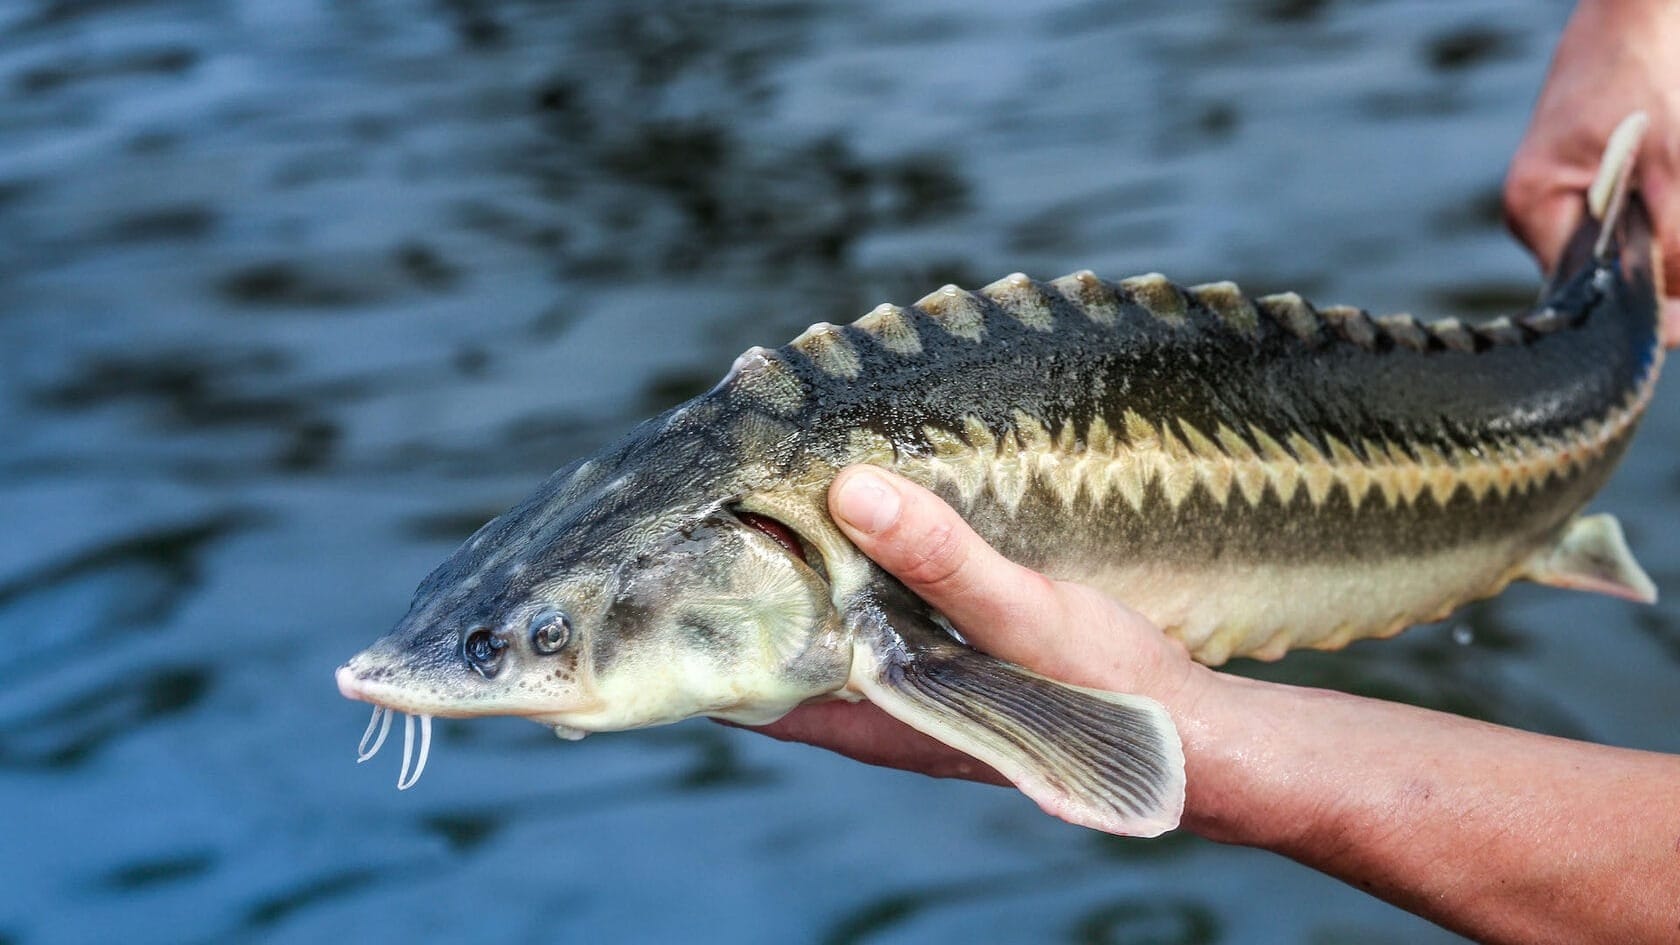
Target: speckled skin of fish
x=1253, y=474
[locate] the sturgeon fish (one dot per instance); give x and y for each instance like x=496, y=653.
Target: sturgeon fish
x=1253, y=474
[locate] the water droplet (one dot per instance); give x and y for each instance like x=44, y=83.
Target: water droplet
x=1463, y=635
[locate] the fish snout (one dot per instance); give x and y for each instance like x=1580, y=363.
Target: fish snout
x=349, y=683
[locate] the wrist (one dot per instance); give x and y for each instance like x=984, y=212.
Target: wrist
x=1250, y=760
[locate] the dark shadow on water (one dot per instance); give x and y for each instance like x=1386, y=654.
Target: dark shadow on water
x=1179, y=843
x=119, y=64
x=477, y=24
x=465, y=830
x=1131, y=921
x=273, y=910
x=805, y=203
x=1289, y=11
x=654, y=154
x=714, y=759
x=1659, y=626
x=1341, y=934
x=1469, y=47
x=665, y=391
x=146, y=874
x=426, y=266
x=74, y=730
x=1140, y=206
x=1412, y=103
x=294, y=285
x=1483, y=213
x=888, y=912
x=1148, y=922
x=710, y=762
x=309, y=445
x=175, y=554
x=449, y=526
x=189, y=387
x=1486, y=300
x=189, y=391
x=164, y=224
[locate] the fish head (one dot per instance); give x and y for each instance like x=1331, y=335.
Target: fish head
x=626, y=592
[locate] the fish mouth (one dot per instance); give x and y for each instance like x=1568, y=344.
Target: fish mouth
x=389, y=700
x=379, y=727
x=360, y=687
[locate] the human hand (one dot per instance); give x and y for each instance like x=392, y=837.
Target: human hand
x=1615, y=57
x=1065, y=631
x=1500, y=834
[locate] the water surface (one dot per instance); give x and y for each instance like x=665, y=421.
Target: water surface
x=294, y=295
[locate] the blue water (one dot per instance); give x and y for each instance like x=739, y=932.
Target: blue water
x=294, y=294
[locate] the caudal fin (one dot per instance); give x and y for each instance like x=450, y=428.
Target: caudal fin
x=1616, y=228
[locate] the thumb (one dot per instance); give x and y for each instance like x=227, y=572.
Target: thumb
x=1014, y=613
x=923, y=542
x=998, y=605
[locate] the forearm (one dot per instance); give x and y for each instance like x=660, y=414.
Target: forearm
x=1503, y=835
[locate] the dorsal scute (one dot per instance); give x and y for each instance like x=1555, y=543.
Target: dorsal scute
x=1157, y=295
x=1352, y=324
x=1089, y=295
x=1502, y=331
x=892, y=328
x=1548, y=320
x=1404, y=331
x=829, y=349
x=762, y=380
x=962, y=313
x=1226, y=300
x=1454, y=335
x=959, y=312
x=1023, y=300
x=1294, y=314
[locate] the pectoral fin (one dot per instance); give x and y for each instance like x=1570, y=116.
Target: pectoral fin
x=1592, y=555
x=1098, y=759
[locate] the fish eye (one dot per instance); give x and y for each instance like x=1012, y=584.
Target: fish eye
x=483, y=651
x=550, y=631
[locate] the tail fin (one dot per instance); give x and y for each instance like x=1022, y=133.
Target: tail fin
x=1616, y=229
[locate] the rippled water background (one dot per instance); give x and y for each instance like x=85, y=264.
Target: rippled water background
x=294, y=294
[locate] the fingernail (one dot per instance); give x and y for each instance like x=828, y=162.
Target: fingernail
x=867, y=502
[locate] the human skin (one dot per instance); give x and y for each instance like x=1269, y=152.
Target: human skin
x=1502, y=835
x=1615, y=57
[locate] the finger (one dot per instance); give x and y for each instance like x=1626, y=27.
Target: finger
x=999, y=606
x=1543, y=221
x=865, y=733
x=920, y=540
x=1671, y=322
x=1662, y=198
x=1542, y=204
